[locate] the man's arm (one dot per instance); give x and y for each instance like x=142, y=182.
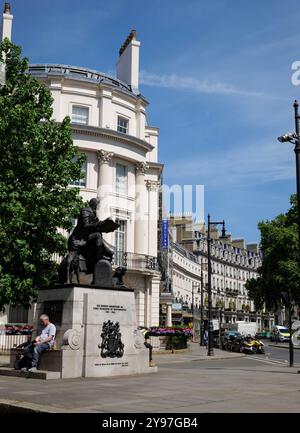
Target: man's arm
x=47, y=339
x=38, y=339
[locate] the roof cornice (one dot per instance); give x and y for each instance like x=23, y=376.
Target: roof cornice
x=112, y=135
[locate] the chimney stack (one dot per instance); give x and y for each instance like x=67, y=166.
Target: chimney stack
x=128, y=63
x=6, y=22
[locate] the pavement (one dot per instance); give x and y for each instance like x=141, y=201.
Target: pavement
x=195, y=353
x=185, y=383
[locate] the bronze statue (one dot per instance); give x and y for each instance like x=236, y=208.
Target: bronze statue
x=87, y=250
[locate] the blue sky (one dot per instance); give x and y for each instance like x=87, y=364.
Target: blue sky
x=218, y=78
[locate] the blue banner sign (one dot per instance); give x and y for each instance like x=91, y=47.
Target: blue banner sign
x=165, y=233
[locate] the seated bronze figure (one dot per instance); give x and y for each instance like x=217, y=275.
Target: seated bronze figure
x=86, y=242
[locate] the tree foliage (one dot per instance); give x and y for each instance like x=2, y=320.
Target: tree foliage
x=38, y=162
x=280, y=270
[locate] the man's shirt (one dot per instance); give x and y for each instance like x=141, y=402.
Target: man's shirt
x=49, y=330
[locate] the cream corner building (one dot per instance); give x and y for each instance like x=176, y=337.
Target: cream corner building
x=109, y=124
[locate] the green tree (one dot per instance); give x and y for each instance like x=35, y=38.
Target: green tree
x=38, y=162
x=280, y=270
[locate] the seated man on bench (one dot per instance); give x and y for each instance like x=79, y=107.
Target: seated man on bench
x=43, y=342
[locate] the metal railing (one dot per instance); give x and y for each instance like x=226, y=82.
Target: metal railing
x=133, y=261
x=8, y=342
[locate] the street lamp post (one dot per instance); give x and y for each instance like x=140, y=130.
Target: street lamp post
x=294, y=138
x=210, y=349
x=193, y=307
x=291, y=346
x=220, y=328
x=288, y=302
x=297, y=153
x=201, y=305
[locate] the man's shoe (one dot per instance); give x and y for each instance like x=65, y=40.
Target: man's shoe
x=24, y=369
x=33, y=370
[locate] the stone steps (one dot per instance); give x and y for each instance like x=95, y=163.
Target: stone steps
x=40, y=374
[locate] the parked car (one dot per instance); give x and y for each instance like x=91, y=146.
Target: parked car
x=280, y=333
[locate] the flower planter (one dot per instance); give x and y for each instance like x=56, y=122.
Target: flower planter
x=169, y=338
x=175, y=342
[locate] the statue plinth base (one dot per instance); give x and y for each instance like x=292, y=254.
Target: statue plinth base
x=97, y=333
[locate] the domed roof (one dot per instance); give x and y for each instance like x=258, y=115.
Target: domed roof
x=80, y=74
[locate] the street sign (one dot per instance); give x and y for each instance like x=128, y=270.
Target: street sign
x=2, y=74
x=165, y=233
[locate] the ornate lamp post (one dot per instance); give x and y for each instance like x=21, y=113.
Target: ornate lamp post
x=210, y=350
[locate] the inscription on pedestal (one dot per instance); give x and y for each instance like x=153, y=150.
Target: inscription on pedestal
x=110, y=308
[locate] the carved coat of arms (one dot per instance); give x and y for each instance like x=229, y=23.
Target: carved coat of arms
x=111, y=345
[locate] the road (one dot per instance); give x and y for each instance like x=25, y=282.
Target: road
x=277, y=355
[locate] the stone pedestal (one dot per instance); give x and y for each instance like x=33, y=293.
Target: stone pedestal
x=166, y=298
x=97, y=333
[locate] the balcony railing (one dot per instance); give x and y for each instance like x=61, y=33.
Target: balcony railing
x=133, y=261
x=234, y=293
x=78, y=73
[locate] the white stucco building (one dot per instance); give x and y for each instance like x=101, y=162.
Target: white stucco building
x=233, y=263
x=109, y=125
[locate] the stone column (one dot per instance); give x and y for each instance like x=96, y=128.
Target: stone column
x=148, y=301
x=140, y=305
x=155, y=291
x=169, y=315
x=104, y=183
x=140, y=223
x=152, y=188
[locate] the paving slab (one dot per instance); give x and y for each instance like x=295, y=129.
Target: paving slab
x=230, y=385
x=195, y=353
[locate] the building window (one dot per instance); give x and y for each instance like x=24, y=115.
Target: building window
x=80, y=115
x=81, y=182
x=123, y=125
x=17, y=315
x=121, y=179
x=120, y=242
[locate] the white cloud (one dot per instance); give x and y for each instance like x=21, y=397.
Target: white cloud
x=174, y=81
x=251, y=164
